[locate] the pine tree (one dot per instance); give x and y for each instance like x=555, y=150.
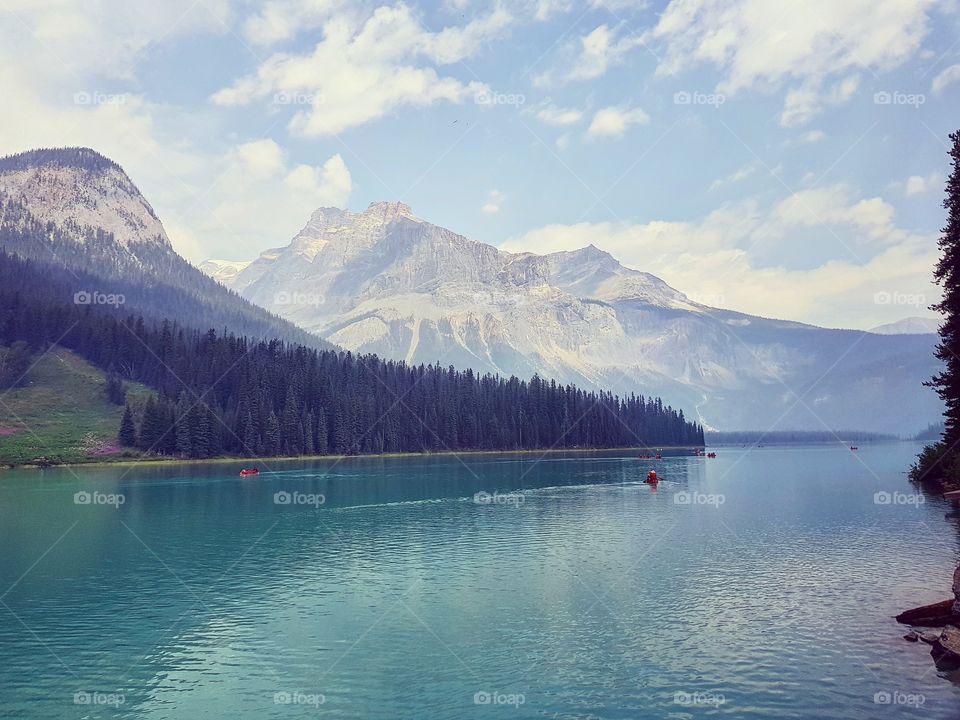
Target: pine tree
x=182, y=427
x=291, y=438
x=271, y=435
x=153, y=427
x=320, y=446
x=308, y=433
x=947, y=275
x=941, y=461
x=201, y=439
x=249, y=436
x=128, y=431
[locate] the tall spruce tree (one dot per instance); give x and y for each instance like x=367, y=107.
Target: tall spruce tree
x=153, y=427
x=183, y=431
x=947, y=275
x=128, y=431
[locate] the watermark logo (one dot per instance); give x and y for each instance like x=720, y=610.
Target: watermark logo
x=498, y=498
x=298, y=98
x=501, y=301
x=297, y=298
x=885, y=697
x=898, y=498
x=88, y=97
x=95, y=297
x=695, y=498
x=299, y=698
x=895, y=97
x=898, y=298
x=488, y=97
x=298, y=498
x=84, y=497
x=483, y=697
x=98, y=698
x=699, y=699
x=685, y=97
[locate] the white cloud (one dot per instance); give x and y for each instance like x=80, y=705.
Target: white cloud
x=591, y=56
x=613, y=122
x=261, y=200
x=946, y=77
x=545, y=8
x=918, y=184
x=67, y=40
x=559, y=117
x=619, y=5
x=362, y=72
x=813, y=136
x=279, y=20
x=736, y=176
x=492, y=206
x=212, y=201
x=804, y=103
x=718, y=256
x=760, y=45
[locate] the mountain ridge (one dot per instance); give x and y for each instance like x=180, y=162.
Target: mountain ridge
x=399, y=286
x=78, y=211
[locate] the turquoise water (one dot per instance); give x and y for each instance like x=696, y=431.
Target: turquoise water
x=383, y=589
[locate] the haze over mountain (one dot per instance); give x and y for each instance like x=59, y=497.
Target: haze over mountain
x=908, y=326
x=79, y=213
x=387, y=282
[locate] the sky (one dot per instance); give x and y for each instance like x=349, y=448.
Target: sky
x=781, y=158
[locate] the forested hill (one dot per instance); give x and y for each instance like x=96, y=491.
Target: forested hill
x=74, y=209
x=223, y=394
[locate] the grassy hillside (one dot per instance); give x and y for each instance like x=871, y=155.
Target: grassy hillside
x=60, y=411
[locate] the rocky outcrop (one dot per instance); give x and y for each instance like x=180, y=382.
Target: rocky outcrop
x=956, y=590
x=934, y=615
x=946, y=650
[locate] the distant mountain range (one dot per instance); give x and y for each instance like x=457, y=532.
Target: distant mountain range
x=78, y=213
x=909, y=326
x=384, y=281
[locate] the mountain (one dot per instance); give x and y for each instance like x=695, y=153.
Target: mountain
x=78, y=212
x=223, y=271
x=384, y=281
x=223, y=394
x=909, y=326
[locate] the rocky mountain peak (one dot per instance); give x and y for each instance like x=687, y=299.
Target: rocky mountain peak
x=78, y=190
x=389, y=210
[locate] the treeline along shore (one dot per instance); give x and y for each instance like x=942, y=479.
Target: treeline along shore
x=217, y=393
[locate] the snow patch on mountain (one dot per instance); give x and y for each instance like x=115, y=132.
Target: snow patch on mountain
x=223, y=271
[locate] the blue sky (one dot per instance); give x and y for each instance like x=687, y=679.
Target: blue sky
x=779, y=158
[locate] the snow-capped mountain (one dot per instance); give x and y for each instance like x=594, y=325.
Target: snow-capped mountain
x=79, y=213
x=222, y=271
x=385, y=281
x=909, y=326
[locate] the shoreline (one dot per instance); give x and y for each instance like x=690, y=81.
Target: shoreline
x=99, y=463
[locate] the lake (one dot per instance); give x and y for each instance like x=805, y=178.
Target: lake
x=759, y=584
